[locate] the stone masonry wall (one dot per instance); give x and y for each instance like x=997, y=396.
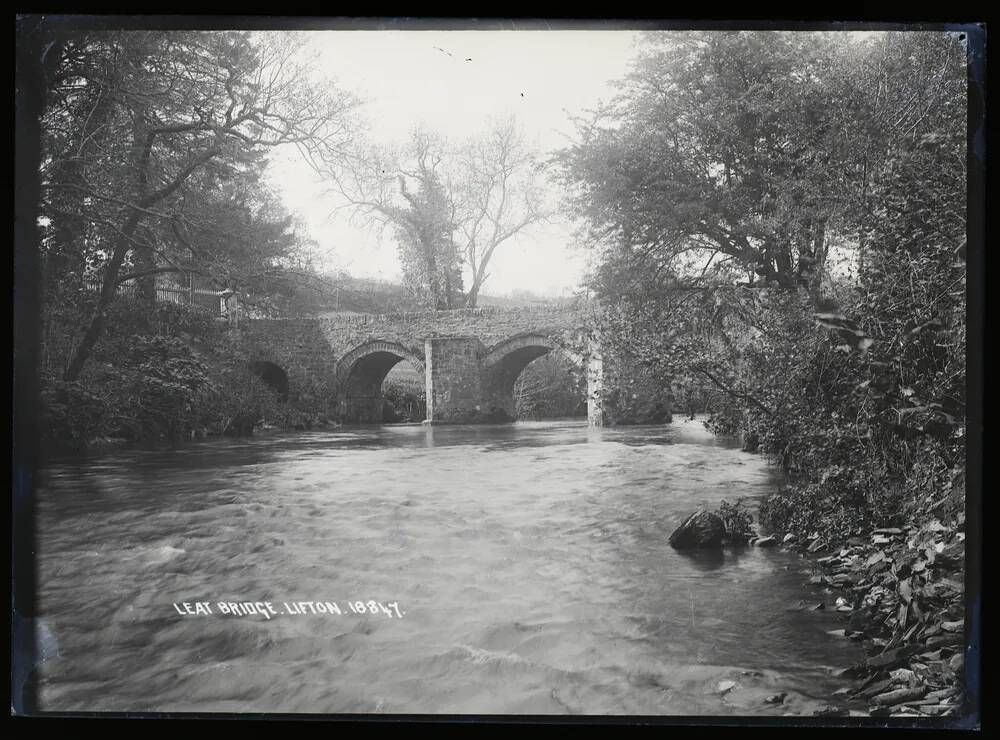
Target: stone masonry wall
x=489, y=325
x=300, y=349
x=312, y=351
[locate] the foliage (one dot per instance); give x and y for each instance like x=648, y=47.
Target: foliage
x=162, y=372
x=718, y=144
x=631, y=397
x=738, y=522
x=153, y=150
x=407, y=404
x=780, y=221
x=550, y=387
x=72, y=413
x=236, y=404
x=428, y=254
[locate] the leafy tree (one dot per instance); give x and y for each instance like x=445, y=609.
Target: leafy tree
x=717, y=148
x=747, y=155
x=716, y=187
x=140, y=125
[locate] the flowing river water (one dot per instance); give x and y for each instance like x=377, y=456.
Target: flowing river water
x=524, y=568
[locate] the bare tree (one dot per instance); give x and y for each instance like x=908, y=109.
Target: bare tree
x=498, y=196
x=405, y=188
x=452, y=205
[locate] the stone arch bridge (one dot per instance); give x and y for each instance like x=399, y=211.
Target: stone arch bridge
x=470, y=358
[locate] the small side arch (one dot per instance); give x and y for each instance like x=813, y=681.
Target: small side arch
x=273, y=375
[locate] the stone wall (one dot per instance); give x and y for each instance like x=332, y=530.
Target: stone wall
x=299, y=348
x=490, y=326
x=459, y=351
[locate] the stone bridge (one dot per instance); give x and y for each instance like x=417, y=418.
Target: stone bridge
x=470, y=358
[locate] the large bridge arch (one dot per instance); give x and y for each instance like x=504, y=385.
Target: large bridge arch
x=360, y=374
x=507, y=359
x=525, y=347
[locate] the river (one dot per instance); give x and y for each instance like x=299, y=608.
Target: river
x=523, y=569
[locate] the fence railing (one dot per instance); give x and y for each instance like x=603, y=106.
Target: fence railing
x=219, y=302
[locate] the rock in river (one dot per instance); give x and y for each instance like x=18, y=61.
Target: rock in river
x=701, y=529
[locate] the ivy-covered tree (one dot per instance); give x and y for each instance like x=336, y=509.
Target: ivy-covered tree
x=450, y=204
x=405, y=190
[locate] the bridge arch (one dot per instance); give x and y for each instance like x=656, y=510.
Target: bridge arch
x=523, y=348
x=341, y=358
x=512, y=355
x=360, y=374
x=506, y=360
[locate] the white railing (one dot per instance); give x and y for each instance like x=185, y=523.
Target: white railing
x=221, y=302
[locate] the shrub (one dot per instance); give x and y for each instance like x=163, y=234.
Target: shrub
x=775, y=512
x=236, y=404
x=843, y=503
x=71, y=412
x=406, y=405
x=738, y=522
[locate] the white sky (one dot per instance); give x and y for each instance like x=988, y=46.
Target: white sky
x=543, y=77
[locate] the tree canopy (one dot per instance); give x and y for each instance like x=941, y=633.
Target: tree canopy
x=716, y=187
x=153, y=152
x=755, y=151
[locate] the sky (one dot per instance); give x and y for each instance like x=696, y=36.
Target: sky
x=454, y=83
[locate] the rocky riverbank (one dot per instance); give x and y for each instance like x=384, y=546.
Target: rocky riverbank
x=901, y=592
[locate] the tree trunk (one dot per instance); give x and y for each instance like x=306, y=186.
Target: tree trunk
x=478, y=278
x=146, y=285
x=100, y=315
x=819, y=254
x=473, y=297
x=143, y=257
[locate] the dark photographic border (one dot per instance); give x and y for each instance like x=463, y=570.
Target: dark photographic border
x=30, y=60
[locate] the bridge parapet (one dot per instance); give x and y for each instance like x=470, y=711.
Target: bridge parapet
x=490, y=325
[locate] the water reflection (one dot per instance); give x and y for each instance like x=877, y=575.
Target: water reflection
x=707, y=559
